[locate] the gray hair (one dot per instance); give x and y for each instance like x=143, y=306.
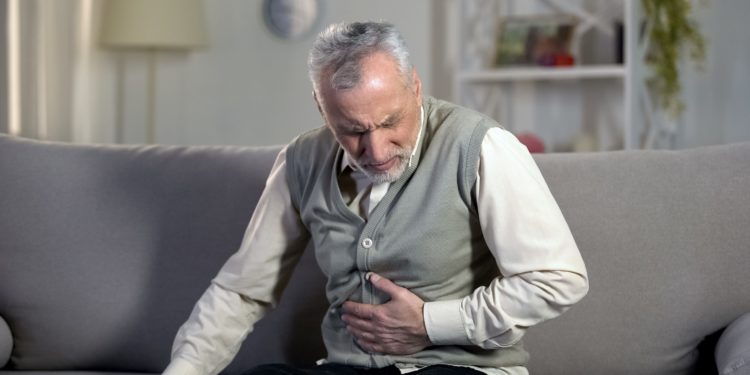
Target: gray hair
x=340, y=48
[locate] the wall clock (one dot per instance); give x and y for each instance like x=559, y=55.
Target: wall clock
x=291, y=19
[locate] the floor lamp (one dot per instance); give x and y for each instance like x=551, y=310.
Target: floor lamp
x=150, y=26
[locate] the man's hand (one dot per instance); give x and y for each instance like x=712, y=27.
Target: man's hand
x=396, y=327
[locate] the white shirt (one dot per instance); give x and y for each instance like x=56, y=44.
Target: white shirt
x=543, y=272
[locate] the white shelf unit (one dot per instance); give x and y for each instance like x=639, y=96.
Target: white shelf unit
x=542, y=73
x=620, y=124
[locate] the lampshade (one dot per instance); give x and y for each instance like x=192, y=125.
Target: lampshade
x=168, y=24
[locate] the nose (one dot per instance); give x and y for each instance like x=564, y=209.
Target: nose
x=375, y=146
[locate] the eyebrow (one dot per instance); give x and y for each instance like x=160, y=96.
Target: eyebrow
x=394, y=117
x=356, y=125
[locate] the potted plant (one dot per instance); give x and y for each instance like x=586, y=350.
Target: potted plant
x=672, y=31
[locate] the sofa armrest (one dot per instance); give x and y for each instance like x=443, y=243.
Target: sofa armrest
x=6, y=343
x=733, y=349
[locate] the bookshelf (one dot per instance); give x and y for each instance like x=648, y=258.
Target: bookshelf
x=597, y=96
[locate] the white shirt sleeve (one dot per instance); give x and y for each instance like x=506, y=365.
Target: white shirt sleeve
x=542, y=272
x=245, y=289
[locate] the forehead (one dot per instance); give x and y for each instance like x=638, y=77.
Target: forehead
x=381, y=92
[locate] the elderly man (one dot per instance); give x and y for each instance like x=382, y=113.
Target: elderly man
x=439, y=237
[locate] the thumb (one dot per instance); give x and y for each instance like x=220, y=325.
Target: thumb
x=384, y=284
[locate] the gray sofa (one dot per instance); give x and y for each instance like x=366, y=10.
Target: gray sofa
x=105, y=249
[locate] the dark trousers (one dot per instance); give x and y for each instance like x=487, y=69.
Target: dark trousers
x=336, y=369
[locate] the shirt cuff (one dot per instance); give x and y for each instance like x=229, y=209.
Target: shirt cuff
x=444, y=324
x=180, y=366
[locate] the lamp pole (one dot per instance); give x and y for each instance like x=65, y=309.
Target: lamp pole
x=151, y=25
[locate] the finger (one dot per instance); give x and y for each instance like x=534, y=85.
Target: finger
x=384, y=284
x=360, y=334
x=360, y=324
x=370, y=346
x=359, y=310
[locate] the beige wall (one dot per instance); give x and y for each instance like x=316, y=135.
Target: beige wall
x=716, y=97
x=250, y=87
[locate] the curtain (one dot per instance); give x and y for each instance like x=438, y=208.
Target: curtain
x=59, y=83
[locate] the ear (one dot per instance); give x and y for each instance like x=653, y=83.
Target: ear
x=317, y=103
x=417, y=85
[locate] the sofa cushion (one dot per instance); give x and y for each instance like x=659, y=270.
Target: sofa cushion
x=105, y=249
x=733, y=348
x=665, y=238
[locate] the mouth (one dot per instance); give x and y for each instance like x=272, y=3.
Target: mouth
x=384, y=166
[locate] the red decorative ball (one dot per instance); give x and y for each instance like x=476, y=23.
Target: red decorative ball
x=532, y=142
x=564, y=59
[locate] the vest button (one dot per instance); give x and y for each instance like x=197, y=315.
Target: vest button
x=367, y=243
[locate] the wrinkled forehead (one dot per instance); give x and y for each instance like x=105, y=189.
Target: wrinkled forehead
x=361, y=69
x=379, y=93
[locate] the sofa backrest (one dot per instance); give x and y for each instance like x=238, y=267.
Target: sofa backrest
x=666, y=240
x=105, y=249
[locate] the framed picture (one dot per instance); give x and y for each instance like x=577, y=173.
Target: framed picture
x=538, y=40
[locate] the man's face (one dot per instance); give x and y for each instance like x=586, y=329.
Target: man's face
x=377, y=122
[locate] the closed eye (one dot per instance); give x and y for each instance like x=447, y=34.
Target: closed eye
x=388, y=125
x=391, y=121
x=358, y=131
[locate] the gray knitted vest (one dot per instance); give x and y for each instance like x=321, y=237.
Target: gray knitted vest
x=424, y=235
